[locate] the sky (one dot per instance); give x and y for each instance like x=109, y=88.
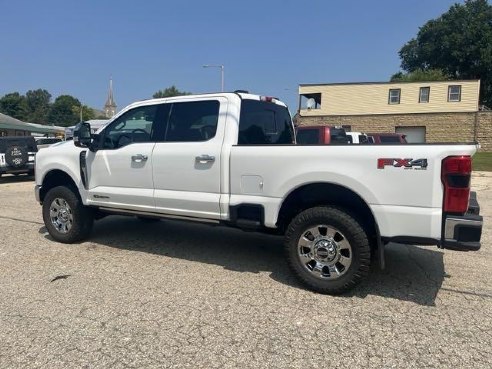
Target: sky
x=266, y=47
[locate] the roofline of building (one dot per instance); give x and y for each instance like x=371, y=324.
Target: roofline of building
x=394, y=114
x=383, y=83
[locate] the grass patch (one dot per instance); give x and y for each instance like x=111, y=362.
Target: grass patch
x=482, y=161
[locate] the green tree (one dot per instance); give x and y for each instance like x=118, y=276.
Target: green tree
x=65, y=111
x=87, y=112
x=14, y=105
x=459, y=43
x=169, y=92
x=420, y=75
x=38, y=105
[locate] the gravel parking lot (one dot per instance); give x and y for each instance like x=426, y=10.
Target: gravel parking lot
x=180, y=295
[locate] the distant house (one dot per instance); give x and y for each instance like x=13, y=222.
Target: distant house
x=444, y=111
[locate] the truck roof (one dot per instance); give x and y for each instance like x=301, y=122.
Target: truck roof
x=240, y=94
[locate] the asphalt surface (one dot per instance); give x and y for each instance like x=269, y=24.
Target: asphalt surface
x=178, y=295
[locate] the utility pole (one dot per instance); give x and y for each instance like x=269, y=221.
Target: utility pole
x=221, y=72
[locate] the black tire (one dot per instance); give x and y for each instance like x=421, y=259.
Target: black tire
x=82, y=216
x=16, y=156
x=349, y=231
x=148, y=219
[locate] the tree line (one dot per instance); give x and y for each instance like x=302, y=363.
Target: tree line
x=456, y=45
x=36, y=107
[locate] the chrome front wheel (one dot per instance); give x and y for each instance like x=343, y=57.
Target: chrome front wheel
x=65, y=216
x=61, y=215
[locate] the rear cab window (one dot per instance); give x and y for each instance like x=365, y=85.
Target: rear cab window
x=264, y=123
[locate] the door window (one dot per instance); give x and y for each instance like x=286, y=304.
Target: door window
x=136, y=125
x=193, y=121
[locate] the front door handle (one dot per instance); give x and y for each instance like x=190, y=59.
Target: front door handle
x=203, y=159
x=139, y=158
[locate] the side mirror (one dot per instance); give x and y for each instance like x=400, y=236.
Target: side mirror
x=82, y=136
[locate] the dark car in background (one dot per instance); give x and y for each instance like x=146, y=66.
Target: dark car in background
x=17, y=155
x=321, y=135
x=43, y=142
x=387, y=138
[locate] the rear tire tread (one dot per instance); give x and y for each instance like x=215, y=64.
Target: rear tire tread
x=350, y=227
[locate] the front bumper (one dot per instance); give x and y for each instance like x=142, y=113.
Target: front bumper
x=463, y=233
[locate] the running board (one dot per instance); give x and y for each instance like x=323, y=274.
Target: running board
x=157, y=215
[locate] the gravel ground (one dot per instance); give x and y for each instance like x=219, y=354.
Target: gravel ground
x=180, y=295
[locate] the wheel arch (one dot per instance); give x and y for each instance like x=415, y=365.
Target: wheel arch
x=54, y=178
x=327, y=193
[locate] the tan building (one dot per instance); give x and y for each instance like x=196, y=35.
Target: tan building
x=444, y=111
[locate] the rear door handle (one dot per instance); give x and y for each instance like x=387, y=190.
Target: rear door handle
x=139, y=158
x=205, y=159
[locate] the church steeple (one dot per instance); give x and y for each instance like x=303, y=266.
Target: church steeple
x=110, y=106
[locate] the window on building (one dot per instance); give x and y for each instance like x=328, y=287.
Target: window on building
x=454, y=93
x=310, y=101
x=394, y=96
x=424, y=94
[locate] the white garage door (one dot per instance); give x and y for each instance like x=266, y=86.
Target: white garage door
x=414, y=134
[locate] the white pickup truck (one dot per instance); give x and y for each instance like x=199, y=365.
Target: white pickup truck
x=231, y=158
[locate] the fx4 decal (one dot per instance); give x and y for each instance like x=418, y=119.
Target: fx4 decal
x=418, y=164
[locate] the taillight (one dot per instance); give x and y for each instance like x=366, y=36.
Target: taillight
x=267, y=98
x=455, y=176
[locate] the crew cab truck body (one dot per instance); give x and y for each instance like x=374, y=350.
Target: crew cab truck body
x=230, y=158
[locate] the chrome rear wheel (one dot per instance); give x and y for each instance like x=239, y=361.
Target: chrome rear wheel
x=328, y=249
x=325, y=252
